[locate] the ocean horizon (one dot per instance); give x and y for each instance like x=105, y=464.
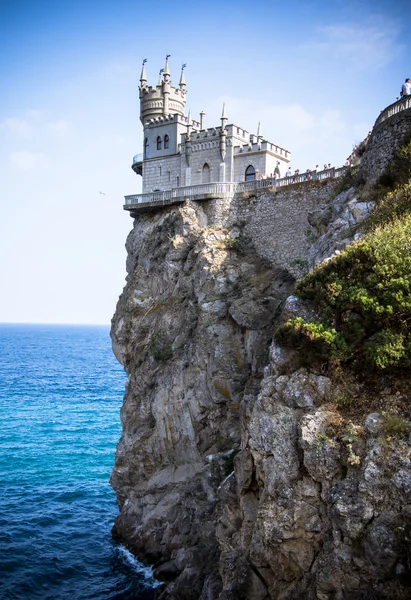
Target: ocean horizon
x=61, y=390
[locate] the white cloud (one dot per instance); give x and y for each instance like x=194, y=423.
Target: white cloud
x=362, y=46
x=331, y=121
x=59, y=128
x=312, y=137
x=19, y=127
x=28, y=161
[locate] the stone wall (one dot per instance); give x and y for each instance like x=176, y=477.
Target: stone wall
x=277, y=221
x=384, y=141
x=161, y=174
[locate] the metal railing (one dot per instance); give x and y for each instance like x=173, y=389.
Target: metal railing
x=394, y=109
x=227, y=189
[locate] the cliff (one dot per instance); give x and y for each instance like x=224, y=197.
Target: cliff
x=241, y=472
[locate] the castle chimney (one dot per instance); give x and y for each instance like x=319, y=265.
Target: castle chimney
x=202, y=115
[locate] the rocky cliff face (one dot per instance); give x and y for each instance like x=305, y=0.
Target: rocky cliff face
x=236, y=476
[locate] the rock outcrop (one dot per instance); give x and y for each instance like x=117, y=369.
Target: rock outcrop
x=236, y=476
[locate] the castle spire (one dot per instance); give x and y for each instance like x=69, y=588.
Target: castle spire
x=159, y=77
x=223, y=118
x=143, y=76
x=167, y=69
x=182, y=83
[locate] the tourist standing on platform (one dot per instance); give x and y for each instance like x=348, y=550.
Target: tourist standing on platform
x=406, y=88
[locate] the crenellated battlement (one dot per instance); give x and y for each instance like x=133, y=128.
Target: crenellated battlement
x=162, y=99
x=263, y=146
x=176, y=118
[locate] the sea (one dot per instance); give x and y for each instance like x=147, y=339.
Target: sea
x=60, y=395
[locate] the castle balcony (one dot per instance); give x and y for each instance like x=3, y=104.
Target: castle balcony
x=141, y=203
x=137, y=165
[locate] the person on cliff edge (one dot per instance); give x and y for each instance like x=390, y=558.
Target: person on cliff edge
x=406, y=88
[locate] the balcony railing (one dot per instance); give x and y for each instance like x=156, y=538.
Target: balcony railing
x=207, y=191
x=394, y=109
x=138, y=158
x=191, y=192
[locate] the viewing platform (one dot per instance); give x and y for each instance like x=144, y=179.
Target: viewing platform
x=393, y=109
x=143, y=203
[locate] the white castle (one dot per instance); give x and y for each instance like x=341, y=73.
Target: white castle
x=180, y=152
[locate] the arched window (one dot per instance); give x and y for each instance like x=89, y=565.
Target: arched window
x=205, y=175
x=159, y=143
x=178, y=181
x=146, y=148
x=166, y=141
x=250, y=173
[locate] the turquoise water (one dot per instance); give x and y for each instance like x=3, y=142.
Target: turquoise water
x=60, y=395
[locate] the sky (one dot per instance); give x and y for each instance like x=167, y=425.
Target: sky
x=315, y=74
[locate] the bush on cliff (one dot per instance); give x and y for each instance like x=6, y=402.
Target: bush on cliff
x=391, y=206
x=363, y=300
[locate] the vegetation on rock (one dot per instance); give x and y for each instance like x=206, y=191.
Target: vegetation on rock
x=363, y=295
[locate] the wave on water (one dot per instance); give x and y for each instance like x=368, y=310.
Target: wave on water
x=139, y=568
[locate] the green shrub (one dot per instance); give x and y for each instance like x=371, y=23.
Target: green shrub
x=396, y=426
x=348, y=180
x=159, y=347
x=363, y=301
x=391, y=206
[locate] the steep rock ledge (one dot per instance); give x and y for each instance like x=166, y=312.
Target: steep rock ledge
x=192, y=329
x=233, y=476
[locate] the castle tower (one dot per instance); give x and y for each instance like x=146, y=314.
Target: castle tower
x=163, y=99
x=162, y=115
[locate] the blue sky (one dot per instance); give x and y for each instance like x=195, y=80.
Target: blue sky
x=315, y=74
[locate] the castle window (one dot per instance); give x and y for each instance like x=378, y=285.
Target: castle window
x=178, y=181
x=146, y=148
x=166, y=141
x=159, y=171
x=206, y=175
x=250, y=173
x=159, y=141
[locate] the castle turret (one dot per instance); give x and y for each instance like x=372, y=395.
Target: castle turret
x=223, y=135
x=143, y=76
x=182, y=83
x=163, y=99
